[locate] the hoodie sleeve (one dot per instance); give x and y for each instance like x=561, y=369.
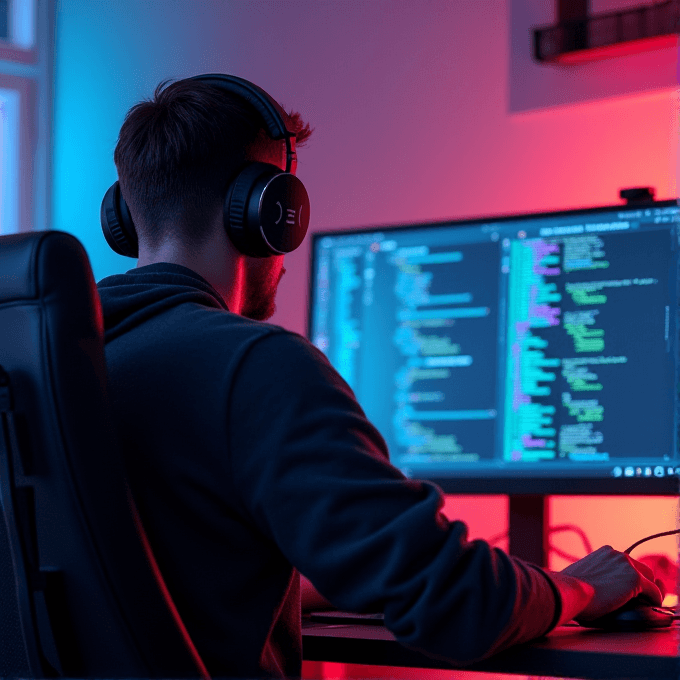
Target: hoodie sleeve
x=313, y=473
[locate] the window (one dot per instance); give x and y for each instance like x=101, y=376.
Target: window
x=24, y=113
x=9, y=179
x=17, y=31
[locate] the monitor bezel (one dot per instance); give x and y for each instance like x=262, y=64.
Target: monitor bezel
x=516, y=485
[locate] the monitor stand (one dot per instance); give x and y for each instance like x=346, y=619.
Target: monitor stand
x=528, y=528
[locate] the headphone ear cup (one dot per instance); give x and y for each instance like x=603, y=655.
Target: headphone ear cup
x=245, y=235
x=117, y=225
x=266, y=211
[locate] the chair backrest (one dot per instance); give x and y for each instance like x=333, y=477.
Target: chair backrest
x=82, y=595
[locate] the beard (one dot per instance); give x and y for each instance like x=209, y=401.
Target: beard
x=260, y=301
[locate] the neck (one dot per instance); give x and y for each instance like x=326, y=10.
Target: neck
x=215, y=260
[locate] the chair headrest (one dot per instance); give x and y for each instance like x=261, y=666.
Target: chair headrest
x=47, y=265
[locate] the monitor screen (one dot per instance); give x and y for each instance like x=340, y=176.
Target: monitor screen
x=526, y=354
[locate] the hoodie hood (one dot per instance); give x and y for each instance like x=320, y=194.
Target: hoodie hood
x=130, y=299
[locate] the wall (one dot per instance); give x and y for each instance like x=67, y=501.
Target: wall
x=420, y=112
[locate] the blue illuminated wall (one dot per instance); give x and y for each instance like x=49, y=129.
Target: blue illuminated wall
x=109, y=56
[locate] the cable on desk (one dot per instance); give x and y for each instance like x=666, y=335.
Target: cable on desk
x=649, y=538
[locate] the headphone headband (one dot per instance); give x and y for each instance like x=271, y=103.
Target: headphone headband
x=273, y=116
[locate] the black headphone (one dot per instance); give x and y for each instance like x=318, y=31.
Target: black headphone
x=266, y=211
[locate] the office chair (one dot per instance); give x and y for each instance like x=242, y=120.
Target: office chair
x=80, y=592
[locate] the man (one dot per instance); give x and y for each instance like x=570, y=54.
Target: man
x=248, y=454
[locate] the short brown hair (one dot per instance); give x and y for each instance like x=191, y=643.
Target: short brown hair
x=177, y=153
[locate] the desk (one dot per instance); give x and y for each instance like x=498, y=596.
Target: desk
x=568, y=651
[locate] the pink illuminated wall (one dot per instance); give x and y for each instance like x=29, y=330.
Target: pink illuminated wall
x=422, y=110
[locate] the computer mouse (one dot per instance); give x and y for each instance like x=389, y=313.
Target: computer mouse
x=635, y=615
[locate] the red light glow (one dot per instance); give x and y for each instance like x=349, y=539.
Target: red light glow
x=619, y=50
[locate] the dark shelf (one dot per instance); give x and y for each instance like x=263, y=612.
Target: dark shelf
x=588, y=38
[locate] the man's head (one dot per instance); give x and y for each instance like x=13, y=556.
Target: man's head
x=176, y=156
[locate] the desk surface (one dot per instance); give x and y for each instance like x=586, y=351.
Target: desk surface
x=568, y=651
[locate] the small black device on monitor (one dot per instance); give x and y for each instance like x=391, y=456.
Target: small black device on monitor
x=524, y=355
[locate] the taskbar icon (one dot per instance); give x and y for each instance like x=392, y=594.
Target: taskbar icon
x=647, y=471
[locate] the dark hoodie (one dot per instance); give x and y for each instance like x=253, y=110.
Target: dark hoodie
x=250, y=459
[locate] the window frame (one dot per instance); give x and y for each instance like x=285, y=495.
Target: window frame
x=17, y=55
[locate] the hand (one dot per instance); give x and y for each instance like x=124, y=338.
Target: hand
x=616, y=578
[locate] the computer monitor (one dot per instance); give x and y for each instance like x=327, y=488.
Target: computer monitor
x=529, y=354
